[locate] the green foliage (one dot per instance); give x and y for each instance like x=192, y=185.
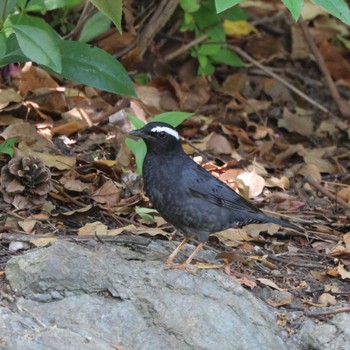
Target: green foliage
x=202, y=18
x=29, y=38
x=144, y=213
x=337, y=8
x=138, y=147
x=8, y=146
x=112, y=9
x=94, y=26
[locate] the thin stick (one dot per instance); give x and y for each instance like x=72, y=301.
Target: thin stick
x=343, y=105
x=185, y=48
x=329, y=311
x=278, y=78
x=328, y=194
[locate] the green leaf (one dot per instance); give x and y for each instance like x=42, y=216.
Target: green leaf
x=7, y=147
x=172, y=118
x=94, y=26
x=141, y=78
x=227, y=56
x=3, y=45
x=190, y=6
x=206, y=16
x=337, y=8
x=10, y=5
x=236, y=14
x=139, y=149
x=222, y=5
x=49, y=5
x=37, y=45
x=294, y=6
x=13, y=52
x=112, y=9
x=144, y=214
x=136, y=122
x=206, y=70
x=94, y=67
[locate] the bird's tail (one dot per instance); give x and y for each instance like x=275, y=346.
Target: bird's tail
x=281, y=222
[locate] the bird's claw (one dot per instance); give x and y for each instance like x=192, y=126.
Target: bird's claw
x=184, y=266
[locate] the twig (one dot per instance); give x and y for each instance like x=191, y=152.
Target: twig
x=330, y=311
x=185, y=48
x=278, y=78
x=121, y=239
x=164, y=11
x=341, y=103
x=309, y=179
x=124, y=103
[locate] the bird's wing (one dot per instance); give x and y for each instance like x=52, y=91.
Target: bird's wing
x=204, y=185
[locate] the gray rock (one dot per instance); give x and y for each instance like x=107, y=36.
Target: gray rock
x=117, y=296
x=333, y=335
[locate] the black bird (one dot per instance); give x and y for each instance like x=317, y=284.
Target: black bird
x=187, y=195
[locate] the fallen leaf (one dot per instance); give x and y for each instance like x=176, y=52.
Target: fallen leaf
x=43, y=242
x=344, y=194
x=108, y=193
x=27, y=225
x=343, y=273
x=282, y=182
x=254, y=181
x=233, y=237
x=270, y=283
x=300, y=122
x=218, y=144
x=327, y=299
x=93, y=228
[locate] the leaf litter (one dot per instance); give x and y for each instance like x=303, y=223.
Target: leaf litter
x=248, y=129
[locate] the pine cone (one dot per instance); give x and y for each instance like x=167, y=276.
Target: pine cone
x=25, y=182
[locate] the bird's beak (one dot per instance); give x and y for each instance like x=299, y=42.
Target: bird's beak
x=138, y=133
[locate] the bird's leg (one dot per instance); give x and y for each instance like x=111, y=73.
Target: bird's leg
x=174, y=253
x=185, y=264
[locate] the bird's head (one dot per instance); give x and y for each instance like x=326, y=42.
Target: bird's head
x=159, y=137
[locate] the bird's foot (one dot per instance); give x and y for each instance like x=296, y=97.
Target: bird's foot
x=183, y=266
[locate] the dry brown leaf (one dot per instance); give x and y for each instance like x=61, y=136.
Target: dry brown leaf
x=8, y=96
x=282, y=182
x=300, y=122
x=280, y=300
x=327, y=299
x=344, y=194
x=315, y=156
x=346, y=239
x=233, y=237
x=218, y=144
x=54, y=160
x=93, y=228
x=108, y=193
x=343, y=273
x=270, y=283
x=312, y=170
x=43, y=242
x=153, y=232
x=119, y=230
x=254, y=230
x=253, y=106
x=254, y=181
x=27, y=225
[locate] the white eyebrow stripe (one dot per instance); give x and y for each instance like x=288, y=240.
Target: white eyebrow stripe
x=167, y=130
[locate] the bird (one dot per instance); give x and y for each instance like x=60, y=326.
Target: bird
x=189, y=197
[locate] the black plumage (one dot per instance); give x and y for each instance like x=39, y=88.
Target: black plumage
x=187, y=195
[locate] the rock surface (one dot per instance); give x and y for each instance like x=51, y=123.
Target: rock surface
x=102, y=296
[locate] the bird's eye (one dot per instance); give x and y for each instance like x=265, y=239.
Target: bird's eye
x=161, y=134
